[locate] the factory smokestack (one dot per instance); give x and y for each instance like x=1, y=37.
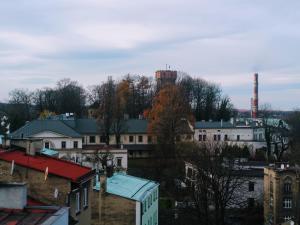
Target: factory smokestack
x=254, y=100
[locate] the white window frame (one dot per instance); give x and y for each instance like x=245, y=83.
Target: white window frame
x=287, y=218
x=85, y=197
x=77, y=202
x=287, y=203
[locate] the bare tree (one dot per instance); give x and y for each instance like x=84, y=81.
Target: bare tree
x=216, y=184
x=276, y=133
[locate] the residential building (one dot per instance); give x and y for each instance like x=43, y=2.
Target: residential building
x=74, y=136
x=281, y=194
x=129, y=200
x=241, y=133
x=51, y=180
x=251, y=176
x=17, y=208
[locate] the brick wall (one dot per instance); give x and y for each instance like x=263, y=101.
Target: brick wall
x=38, y=188
x=43, y=190
x=116, y=210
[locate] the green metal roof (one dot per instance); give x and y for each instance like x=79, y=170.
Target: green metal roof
x=136, y=126
x=49, y=152
x=38, y=126
x=92, y=126
x=130, y=187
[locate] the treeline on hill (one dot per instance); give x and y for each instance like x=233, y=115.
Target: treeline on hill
x=131, y=95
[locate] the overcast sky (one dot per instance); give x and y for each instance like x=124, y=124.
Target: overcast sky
x=42, y=41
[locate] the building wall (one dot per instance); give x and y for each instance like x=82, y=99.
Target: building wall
x=43, y=190
x=150, y=200
x=84, y=215
x=55, y=140
x=112, y=140
x=253, y=138
x=38, y=188
x=275, y=179
x=117, y=210
x=87, y=156
x=13, y=196
x=242, y=194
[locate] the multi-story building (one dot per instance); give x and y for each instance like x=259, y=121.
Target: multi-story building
x=51, y=180
x=17, y=208
x=73, y=136
x=129, y=200
x=241, y=133
x=250, y=191
x=281, y=194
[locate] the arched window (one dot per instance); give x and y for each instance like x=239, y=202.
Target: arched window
x=287, y=185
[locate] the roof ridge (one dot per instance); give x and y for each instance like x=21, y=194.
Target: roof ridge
x=140, y=178
x=70, y=126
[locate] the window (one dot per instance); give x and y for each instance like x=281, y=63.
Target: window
x=75, y=144
x=189, y=172
x=77, y=202
x=92, y=139
x=238, y=137
x=287, y=203
x=149, y=139
x=130, y=139
x=271, y=201
x=149, y=203
x=140, y=138
x=200, y=137
x=215, y=137
x=85, y=197
x=251, y=186
x=287, y=218
x=47, y=145
x=204, y=137
x=63, y=144
x=271, y=187
x=287, y=186
x=219, y=137
x=250, y=202
x=119, y=162
x=225, y=137
x=102, y=139
x=83, y=140
x=142, y=206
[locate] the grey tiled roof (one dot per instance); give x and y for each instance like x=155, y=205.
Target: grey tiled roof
x=74, y=128
x=212, y=125
x=38, y=126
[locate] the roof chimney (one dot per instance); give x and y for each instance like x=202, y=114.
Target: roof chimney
x=32, y=146
x=13, y=195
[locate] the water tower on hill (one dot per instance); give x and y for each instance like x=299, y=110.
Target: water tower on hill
x=165, y=77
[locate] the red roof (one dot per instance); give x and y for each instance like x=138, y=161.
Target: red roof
x=55, y=166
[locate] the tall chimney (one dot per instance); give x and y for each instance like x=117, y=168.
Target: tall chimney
x=254, y=109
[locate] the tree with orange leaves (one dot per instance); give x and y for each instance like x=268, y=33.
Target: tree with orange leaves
x=169, y=119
